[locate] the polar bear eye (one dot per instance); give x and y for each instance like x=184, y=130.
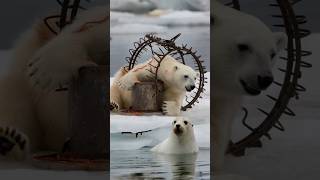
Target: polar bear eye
x=243, y=47
x=185, y=122
x=273, y=55
x=186, y=76
x=174, y=122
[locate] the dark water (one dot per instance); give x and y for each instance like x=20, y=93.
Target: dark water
x=197, y=37
x=143, y=164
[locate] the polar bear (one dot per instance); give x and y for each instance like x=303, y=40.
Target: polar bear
x=181, y=139
x=244, y=52
x=33, y=116
x=176, y=77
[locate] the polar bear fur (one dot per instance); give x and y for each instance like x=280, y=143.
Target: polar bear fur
x=176, y=77
x=181, y=139
x=244, y=52
x=42, y=62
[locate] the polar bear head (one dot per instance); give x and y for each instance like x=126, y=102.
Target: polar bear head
x=176, y=75
x=182, y=126
x=244, y=52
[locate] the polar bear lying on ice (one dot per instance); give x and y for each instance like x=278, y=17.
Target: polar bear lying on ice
x=244, y=52
x=33, y=116
x=176, y=77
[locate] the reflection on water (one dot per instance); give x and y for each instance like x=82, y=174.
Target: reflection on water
x=143, y=164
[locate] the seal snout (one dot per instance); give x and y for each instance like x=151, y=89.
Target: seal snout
x=178, y=130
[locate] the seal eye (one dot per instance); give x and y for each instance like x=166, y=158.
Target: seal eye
x=273, y=55
x=185, y=122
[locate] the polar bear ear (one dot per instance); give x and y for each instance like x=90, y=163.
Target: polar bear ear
x=281, y=40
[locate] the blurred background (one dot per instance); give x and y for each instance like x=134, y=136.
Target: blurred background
x=16, y=16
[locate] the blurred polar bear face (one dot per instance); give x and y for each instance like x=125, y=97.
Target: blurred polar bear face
x=244, y=65
x=256, y=59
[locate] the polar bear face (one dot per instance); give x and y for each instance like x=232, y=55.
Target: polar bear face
x=185, y=78
x=255, y=61
x=181, y=126
x=243, y=53
x=177, y=76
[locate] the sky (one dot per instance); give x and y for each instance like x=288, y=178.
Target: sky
x=17, y=15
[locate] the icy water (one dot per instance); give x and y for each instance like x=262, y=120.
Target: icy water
x=143, y=164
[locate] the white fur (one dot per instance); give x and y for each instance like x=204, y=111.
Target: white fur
x=232, y=28
x=171, y=73
x=42, y=62
x=184, y=143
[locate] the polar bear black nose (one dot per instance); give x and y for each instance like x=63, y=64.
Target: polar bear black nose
x=192, y=87
x=264, y=81
x=178, y=126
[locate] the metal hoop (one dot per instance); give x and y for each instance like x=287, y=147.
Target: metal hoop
x=169, y=47
x=289, y=86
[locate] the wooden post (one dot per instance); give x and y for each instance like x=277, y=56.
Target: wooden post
x=88, y=114
x=145, y=98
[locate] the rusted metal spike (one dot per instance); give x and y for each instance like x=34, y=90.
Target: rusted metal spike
x=301, y=19
x=131, y=51
x=271, y=97
x=153, y=65
x=279, y=126
x=300, y=88
x=263, y=111
x=161, y=50
x=277, y=83
x=150, y=71
x=282, y=70
x=305, y=64
x=159, y=55
x=289, y=112
x=136, y=44
x=304, y=32
x=268, y=136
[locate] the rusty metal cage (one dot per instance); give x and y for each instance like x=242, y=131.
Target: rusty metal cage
x=161, y=48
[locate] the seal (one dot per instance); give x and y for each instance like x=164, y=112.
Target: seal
x=181, y=139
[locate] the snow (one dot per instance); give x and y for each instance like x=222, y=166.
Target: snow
x=129, y=23
x=141, y=6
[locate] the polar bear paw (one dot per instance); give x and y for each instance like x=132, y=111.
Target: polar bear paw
x=170, y=108
x=114, y=106
x=49, y=74
x=13, y=143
